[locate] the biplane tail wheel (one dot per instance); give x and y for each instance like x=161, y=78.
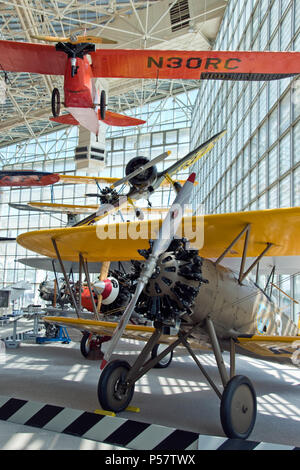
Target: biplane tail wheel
x=90, y=345
x=102, y=105
x=113, y=392
x=238, y=407
x=55, y=102
x=165, y=361
x=85, y=344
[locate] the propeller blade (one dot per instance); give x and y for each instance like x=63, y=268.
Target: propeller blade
x=166, y=233
x=49, y=38
x=75, y=39
x=95, y=40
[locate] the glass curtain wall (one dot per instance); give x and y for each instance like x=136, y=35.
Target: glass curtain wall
x=256, y=165
x=167, y=128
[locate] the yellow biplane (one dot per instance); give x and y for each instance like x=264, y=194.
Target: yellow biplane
x=182, y=286
x=141, y=175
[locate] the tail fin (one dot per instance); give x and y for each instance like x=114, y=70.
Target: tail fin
x=115, y=119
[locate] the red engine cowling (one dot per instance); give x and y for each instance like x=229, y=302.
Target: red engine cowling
x=109, y=289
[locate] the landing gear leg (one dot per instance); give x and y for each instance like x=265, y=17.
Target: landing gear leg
x=238, y=401
x=55, y=102
x=90, y=345
x=117, y=379
x=102, y=105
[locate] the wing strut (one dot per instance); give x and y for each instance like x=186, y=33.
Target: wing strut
x=242, y=274
x=65, y=276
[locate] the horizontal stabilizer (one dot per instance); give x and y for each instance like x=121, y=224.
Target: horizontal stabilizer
x=115, y=119
x=111, y=119
x=65, y=119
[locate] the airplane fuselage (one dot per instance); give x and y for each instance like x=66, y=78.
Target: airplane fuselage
x=243, y=308
x=201, y=288
x=78, y=89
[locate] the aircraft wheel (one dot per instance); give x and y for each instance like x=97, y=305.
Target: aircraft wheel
x=90, y=346
x=102, y=105
x=238, y=407
x=113, y=394
x=55, y=102
x=165, y=361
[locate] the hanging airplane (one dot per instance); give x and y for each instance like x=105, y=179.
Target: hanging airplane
x=27, y=178
x=80, y=64
x=186, y=288
x=142, y=177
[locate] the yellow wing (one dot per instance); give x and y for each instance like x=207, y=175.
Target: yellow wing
x=86, y=179
x=72, y=179
x=102, y=328
x=271, y=347
x=138, y=332
x=212, y=233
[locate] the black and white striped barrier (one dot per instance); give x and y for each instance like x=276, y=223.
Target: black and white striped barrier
x=133, y=435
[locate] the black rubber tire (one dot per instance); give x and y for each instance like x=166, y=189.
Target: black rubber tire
x=83, y=344
x=165, y=361
x=102, y=105
x=109, y=396
x=238, y=408
x=55, y=102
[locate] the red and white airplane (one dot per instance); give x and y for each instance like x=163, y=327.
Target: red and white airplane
x=80, y=63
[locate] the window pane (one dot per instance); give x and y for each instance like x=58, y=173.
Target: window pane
x=285, y=154
x=284, y=192
x=284, y=110
x=273, y=165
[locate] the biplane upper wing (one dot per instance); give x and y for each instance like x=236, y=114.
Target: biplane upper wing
x=33, y=58
x=164, y=64
x=210, y=234
x=73, y=179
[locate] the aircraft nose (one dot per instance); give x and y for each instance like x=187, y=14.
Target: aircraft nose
x=99, y=287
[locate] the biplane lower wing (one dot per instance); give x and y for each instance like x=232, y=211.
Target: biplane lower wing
x=102, y=328
x=49, y=207
x=275, y=348
x=63, y=208
x=51, y=264
x=106, y=328
x=210, y=234
x=164, y=64
x=282, y=264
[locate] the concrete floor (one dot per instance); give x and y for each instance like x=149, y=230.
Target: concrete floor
x=178, y=396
